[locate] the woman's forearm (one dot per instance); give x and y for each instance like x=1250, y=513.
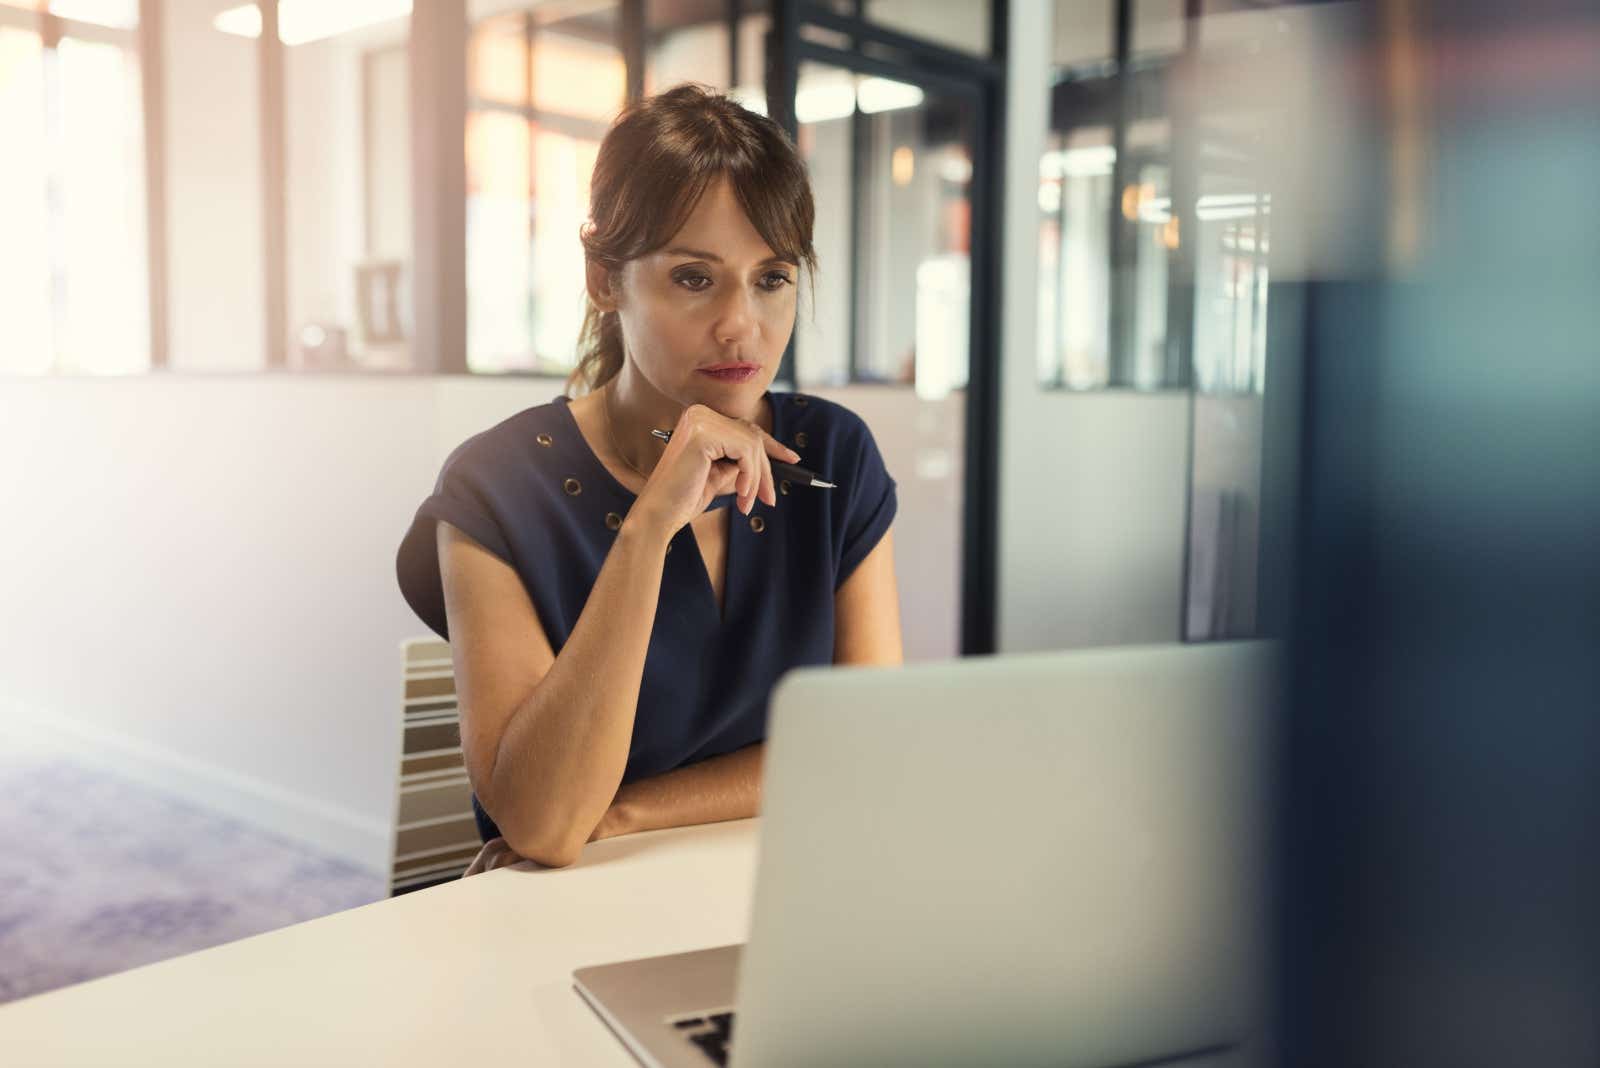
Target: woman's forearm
x=726, y=787
x=564, y=750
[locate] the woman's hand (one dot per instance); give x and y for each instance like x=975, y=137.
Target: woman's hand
x=494, y=854
x=709, y=455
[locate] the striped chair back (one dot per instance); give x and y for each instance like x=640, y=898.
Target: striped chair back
x=435, y=835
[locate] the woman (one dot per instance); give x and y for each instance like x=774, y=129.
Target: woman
x=616, y=629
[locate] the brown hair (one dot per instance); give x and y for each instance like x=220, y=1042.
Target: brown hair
x=655, y=162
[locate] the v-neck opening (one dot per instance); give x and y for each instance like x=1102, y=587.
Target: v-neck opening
x=719, y=612
x=719, y=609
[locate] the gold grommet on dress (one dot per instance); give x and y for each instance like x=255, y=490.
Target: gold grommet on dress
x=800, y=440
x=783, y=487
x=801, y=401
x=572, y=486
x=543, y=439
x=757, y=524
x=613, y=521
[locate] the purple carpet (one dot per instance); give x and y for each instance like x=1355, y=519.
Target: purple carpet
x=99, y=874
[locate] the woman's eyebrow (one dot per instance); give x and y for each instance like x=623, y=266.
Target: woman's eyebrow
x=702, y=254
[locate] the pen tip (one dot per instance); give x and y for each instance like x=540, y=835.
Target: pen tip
x=819, y=484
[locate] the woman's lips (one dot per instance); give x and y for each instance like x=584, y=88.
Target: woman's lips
x=737, y=373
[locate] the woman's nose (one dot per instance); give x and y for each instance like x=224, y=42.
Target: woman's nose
x=737, y=321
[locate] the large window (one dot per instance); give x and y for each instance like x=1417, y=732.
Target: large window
x=347, y=185
x=274, y=228
x=962, y=25
x=74, y=295
x=894, y=282
x=1154, y=246
x=542, y=91
x=1152, y=235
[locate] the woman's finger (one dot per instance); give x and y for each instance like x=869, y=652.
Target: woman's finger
x=727, y=454
x=721, y=480
x=480, y=863
x=749, y=473
x=771, y=447
x=748, y=457
x=768, y=490
x=729, y=477
x=505, y=858
x=774, y=447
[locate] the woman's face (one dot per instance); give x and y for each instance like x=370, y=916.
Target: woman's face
x=716, y=295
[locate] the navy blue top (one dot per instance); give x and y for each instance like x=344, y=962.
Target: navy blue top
x=532, y=492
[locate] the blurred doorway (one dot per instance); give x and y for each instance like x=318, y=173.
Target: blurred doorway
x=903, y=324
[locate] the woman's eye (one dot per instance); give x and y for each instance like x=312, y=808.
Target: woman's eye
x=774, y=280
x=692, y=282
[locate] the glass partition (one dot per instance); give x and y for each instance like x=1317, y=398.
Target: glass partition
x=544, y=85
x=74, y=286
x=894, y=289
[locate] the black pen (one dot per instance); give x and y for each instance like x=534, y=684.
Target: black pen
x=791, y=473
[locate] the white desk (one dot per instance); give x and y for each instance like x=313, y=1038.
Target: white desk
x=477, y=971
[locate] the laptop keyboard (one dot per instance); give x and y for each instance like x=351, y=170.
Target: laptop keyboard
x=711, y=1032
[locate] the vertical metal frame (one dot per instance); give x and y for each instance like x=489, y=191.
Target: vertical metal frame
x=632, y=33
x=860, y=176
x=438, y=91
x=152, y=78
x=274, y=178
x=980, y=543
x=368, y=91
x=1184, y=170
x=783, y=72
x=1122, y=233
x=1184, y=180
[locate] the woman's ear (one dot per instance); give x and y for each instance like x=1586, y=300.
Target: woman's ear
x=602, y=286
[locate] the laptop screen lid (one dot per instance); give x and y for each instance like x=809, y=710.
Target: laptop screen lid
x=1049, y=858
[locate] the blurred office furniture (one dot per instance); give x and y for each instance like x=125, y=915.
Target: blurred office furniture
x=322, y=346
x=435, y=836
x=379, y=287
x=1218, y=519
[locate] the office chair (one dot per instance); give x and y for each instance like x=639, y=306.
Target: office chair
x=435, y=837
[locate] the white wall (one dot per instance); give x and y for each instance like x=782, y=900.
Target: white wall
x=1092, y=485
x=202, y=587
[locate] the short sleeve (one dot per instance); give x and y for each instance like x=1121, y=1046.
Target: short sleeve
x=871, y=508
x=462, y=498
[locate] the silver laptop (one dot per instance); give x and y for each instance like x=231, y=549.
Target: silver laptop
x=1039, y=859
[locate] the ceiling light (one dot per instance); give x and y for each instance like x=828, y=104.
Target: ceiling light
x=303, y=21
x=116, y=14
x=822, y=103
x=881, y=94
x=1087, y=161
x=903, y=165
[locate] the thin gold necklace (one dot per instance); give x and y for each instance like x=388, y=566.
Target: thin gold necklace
x=605, y=403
